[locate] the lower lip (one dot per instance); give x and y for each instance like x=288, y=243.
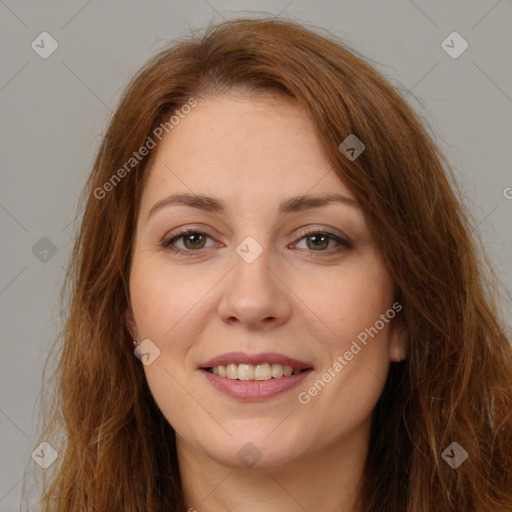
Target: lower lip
x=255, y=390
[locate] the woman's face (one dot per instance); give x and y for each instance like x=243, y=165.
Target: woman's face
x=268, y=275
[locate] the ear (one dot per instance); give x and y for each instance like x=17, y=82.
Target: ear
x=130, y=324
x=399, y=344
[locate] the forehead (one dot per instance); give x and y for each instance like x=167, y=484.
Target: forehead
x=260, y=146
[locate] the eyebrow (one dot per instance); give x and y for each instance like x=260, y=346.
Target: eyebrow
x=217, y=205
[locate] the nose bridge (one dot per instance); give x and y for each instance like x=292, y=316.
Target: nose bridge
x=252, y=276
x=252, y=261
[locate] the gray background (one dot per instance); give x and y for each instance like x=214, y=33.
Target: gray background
x=54, y=111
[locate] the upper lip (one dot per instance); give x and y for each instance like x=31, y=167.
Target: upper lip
x=262, y=357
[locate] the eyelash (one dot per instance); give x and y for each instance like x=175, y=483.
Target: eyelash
x=166, y=243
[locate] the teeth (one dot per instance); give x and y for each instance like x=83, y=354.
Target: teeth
x=245, y=372
x=277, y=371
x=232, y=371
x=264, y=371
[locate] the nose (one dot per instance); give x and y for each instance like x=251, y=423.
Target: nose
x=253, y=294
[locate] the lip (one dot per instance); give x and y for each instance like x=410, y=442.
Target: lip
x=262, y=357
x=254, y=390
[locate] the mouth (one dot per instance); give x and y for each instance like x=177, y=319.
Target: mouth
x=263, y=366
x=254, y=377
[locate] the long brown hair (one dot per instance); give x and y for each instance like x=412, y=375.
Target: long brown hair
x=118, y=453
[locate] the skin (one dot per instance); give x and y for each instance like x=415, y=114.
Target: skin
x=303, y=300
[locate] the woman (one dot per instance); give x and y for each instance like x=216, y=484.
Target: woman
x=270, y=227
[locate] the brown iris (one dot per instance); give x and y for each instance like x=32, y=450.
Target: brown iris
x=318, y=237
x=193, y=239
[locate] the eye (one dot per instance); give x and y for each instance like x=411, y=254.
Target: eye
x=318, y=241
x=193, y=240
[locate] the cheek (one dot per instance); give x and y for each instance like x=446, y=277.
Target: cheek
x=163, y=298
x=348, y=302
x=360, y=337
x=163, y=303
x=172, y=307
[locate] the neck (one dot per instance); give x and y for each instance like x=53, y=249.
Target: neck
x=328, y=480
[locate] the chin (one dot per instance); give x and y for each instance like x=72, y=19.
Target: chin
x=254, y=455
x=255, y=446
